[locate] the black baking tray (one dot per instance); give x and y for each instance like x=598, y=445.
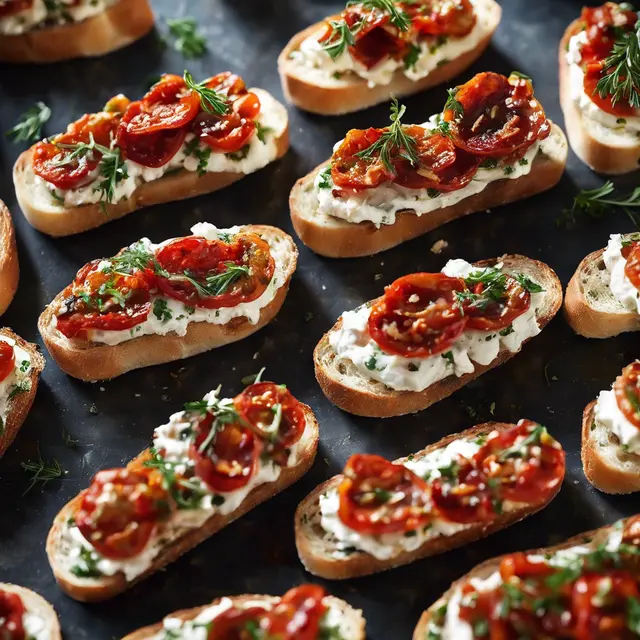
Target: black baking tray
x=550, y=381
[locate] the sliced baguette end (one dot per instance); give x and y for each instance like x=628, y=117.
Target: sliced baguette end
x=9, y=268
x=35, y=603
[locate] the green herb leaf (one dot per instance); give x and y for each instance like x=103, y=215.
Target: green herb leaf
x=189, y=41
x=29, y=127
x=325, y=181
x=161, y=310
x=41, y=471
x=341, y=37
x=210, y=100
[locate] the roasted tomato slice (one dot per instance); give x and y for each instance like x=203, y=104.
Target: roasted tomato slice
x=418, y=315
x=524, y=463
x=12, y=7
x=378, y=496
x=603, y=24
x=627, y=391
x=298, y=614
x=442, y=17
x=518, y=565
x=7, y=360
x=12, y=612
x=214, y=274
x=226, y=458
x=632, y=267
x=239, y=624
x=594, y=72
x=120, y=510
x=496, y=116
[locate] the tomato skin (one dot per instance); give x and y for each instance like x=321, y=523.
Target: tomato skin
x=7, y=360
x=226, y=134
x=626, y=389
x=231, y=624
x=12, y=7
x=632, y=266
x=443, y=17
x=298, y=614
x=12, y=611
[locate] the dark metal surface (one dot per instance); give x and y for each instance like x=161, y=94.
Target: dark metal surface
x=550, y=381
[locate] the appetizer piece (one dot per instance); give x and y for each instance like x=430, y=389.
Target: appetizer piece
x=432, y=333
x=611, y=435
x=9, y=269
x=209, y=465
x=600, y=87
x=154, y=303
x=20, y=367
x=376, y=49
x=25, y=615
x=51, y=30
x=382, y=187
x=603, y=295
x=182, y=139
x=586, y=588
x=379, y=514
x=305, y=612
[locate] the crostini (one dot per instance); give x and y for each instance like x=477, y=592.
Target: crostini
x=9, y=269
x=584, y=588
x=154, y=303
x=432, y=333
x=376, y=49
x=182, y=139
x=25, y=614
x=209, y=465
x=306, y=611
x=379, y=515
x=43, y=31
x=20, y=367
x=611, y=435
x=384, y=186
x=603, y=295
x=598, y=87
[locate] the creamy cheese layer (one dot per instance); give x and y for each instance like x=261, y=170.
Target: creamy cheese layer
x=353, y=342
x=607, y=414
x=35, y=627
x=17, y=382
x=621, y=287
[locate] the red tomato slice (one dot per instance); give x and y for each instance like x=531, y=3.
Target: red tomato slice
x=227, y=83
x=227, y=134
x=12, y=611
x=119, y=511
x=593, y=73
x=378, y=496
x=442, y=17
x=298, y=614
x=12, y=7
x=632, y=267
x=7, y=360
x=153, y=149
x=603, y=25
x=239, y=624
x=518, y=565
x=627, y=391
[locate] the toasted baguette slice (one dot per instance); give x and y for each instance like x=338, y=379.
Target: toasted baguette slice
x=97, y=361
x=36, y=604
x=118, y=26
x=610, y=158
x=348, y=389
x=20, y=404
x=589, y=305
x=352, y=624
x=336, y=238
x=631, y=524
x=105, y=587
x=350, y=92
x=9, y=269
x=317, y=549
x=54, y=220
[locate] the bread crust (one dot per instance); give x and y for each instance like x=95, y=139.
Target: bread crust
x=20, y=405
x=602, y=158
x=116, y=27
x=35, y=603
x=354, y=94
x=9, y=269
x=105, y=587
x=375, y=400
x=319, y=561
x=336, y=238
x=97, y=361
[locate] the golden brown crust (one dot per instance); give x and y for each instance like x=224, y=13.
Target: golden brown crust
x=35, y=603
x=116, y=27
x=96, y=361
x=354, y=94
x=9, y=269
x=20, y=405
x=318, y=561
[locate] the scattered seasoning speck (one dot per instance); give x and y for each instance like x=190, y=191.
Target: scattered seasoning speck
x=439, y=246
x=93, y=409
x=256, y=355
x=102, y=389
x=137, y=395
x=378, y=276
x=308, y=317
x=165, y=398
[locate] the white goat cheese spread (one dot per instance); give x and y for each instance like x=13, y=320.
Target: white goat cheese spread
x=621, y=287
x=608, y=415
x=17, y=382
x=353, y=342
x=317, y=66
x=35, y=627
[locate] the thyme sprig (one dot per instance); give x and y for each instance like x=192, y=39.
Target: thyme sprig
x=29, y=127
x=340, y=39
x=596, y=202
x=189, y=41
x=41, y=471
x=211, y=101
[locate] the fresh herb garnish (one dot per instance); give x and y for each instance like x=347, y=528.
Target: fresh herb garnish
x=398, y=17
x=412, y=56
x=161, y=310
x=189, y=41
x=211, y=101
x=596, y=202
x=262, y=131
x=519, y=74
x=21, y=387
x=29, y=127
x=452, y=103
x=42, y=471
x=217, y=283
x=253, y=378
x=86, y=565
x=325, y=181
x=341, y=37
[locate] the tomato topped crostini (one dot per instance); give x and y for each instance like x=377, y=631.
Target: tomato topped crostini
x=210, y=464
x=154, y=303
x=25, y=615
x=431, y=333
x=379, y=514
x=9, y=269
x=181, y=139
x=492, y=144
x=600, y=87
x=379, y=48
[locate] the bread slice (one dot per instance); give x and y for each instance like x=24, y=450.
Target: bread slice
x=9, y=269
x=118, y=26
x=351, y=93
x=350, y=619
x=54, y=220
x=316, y=547
x=97, y=361
x=355, y=393
x=105, y=587
x=611, y=159
x=492, y=565
x=20, y=405
x=336, y=238
x=35, y=603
